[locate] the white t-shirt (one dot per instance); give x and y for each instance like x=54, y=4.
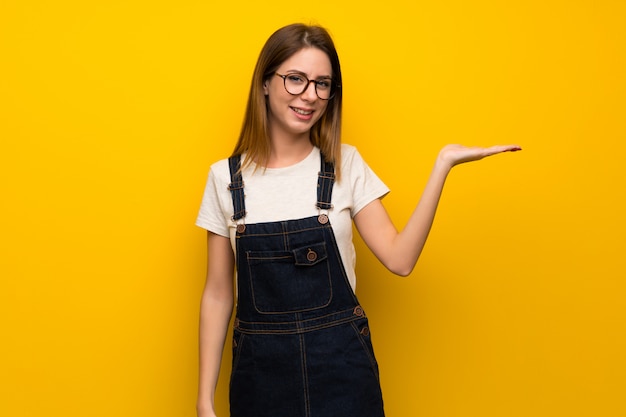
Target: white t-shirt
x=277, y=194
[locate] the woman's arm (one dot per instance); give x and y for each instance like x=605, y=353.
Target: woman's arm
x=215, y=311
x=399, y=251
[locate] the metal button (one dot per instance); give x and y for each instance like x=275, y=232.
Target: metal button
x=322, y=218
x=311, y=256
x=358, y=311
x=241, y=228
x=365, y=331
x=236, y=323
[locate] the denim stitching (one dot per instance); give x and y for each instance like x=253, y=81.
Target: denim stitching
x=237, y=352
x=340, y=313
x=299, y=331
x=334, y=247
x=288, y=232
x=305, y=378
x=369, y=354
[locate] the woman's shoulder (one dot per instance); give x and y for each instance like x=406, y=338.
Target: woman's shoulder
x=220, y=170
x=350, y=155
x=348, y=152
x=347, y=149
x=220, y=165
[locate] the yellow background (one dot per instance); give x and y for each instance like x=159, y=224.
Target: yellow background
x=112, y=111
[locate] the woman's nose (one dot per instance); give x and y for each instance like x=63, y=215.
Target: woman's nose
x=309, y=93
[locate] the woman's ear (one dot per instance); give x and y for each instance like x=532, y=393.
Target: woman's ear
x=265, y=88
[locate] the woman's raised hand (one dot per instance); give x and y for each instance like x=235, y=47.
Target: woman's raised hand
x=452, y=155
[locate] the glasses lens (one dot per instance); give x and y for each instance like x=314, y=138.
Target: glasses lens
x=296, y=83
x=324, y=88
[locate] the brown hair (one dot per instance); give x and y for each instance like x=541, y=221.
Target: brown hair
x=254, y=138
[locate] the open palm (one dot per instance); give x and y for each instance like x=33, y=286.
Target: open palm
x=458, y=154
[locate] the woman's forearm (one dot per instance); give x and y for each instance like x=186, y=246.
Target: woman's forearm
x=215, y=311
x=407, y=246
x=215, y=315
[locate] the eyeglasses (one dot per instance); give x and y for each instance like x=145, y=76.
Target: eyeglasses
x=296, y=84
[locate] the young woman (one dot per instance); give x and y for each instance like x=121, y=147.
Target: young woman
x=279, y=211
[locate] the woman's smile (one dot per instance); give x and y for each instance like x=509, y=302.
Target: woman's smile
x=302, y=113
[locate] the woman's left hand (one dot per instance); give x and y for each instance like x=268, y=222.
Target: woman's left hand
x=452, y=155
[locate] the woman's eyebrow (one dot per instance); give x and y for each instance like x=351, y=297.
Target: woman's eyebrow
x=295, y=71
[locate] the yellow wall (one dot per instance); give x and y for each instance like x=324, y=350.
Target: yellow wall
x=112, y=111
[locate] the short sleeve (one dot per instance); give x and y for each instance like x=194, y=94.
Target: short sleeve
x=364, y=183
x=212, y=215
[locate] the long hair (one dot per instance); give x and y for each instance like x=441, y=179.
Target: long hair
x=254, y=138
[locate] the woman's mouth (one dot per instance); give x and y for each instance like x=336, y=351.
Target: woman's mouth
x=302, y=112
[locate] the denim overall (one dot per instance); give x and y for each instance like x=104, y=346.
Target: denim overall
x=301, y=344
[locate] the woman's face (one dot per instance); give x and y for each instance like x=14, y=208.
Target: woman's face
x=294, y=115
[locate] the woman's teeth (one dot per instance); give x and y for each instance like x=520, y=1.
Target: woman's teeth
x=303, y=112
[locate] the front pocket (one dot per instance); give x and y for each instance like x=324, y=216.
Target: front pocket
x=362, y=333
x=290, y=281
x=237, y=345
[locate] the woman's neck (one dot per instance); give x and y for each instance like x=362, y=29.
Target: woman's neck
x=288, y=151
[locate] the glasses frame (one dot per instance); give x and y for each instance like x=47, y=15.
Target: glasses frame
x=333, y=87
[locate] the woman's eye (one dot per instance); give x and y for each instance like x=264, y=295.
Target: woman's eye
x=324, y=84
x=298, y=79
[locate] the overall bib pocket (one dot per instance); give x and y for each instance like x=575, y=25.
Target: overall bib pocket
x=290, y=281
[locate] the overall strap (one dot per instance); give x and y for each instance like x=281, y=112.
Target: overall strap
x=236, y=187
x=325, y=181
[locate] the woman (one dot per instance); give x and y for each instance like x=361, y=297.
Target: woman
x=280, y=211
